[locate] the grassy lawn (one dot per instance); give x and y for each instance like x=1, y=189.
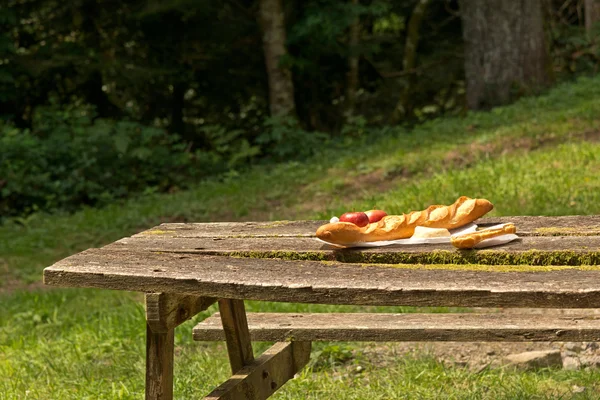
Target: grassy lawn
x=89, y=344
x=540, y=156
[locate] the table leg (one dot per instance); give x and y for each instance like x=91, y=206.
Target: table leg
x=165, y=311
x=159, y=364
x=235, y=326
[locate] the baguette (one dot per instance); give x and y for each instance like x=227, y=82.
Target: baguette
x=469, y=240
x=393, y=227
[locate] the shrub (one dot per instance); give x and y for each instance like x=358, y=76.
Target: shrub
x=69, y=159
x=283, y=139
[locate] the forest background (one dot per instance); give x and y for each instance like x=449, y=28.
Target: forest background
x=102, y=100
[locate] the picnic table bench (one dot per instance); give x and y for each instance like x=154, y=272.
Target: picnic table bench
x=183, y=268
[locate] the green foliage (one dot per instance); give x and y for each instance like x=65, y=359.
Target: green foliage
x=325, y=21
x=355, y=127
x=8, y=21
x=208, y=69
x=283, y=139
x=70, y=159
x=575, y=51
x=391, y=23
x=228, y=147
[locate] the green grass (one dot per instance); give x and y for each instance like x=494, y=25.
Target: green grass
x=563, y=180
x=89, y=344
x=538, y=156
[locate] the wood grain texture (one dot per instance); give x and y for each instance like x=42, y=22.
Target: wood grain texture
x=266, y=374
x=303, y=244
x=236, y=229
x=526, y=226
x=235, y=331
x=165, y=311
x=409, y=327
x=562, y=250
x=324, y=283
x=159, y=364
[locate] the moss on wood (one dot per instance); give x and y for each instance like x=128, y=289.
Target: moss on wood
x=564, y=231
x=156, y=232
x=285, y=255
x=260, y=236
x=484, y=257
x=458, y=257
x=488, y=268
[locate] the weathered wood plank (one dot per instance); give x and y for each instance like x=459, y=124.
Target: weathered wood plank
x=386, y=327
x=159, y=364
x=236, y=229
x=562, y=250
x=165, y=311
x=327, y=283
x=235, y=328
x=526, y=226
x=266, y=374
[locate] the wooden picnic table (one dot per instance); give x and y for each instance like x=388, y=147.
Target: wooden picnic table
x=183, y=268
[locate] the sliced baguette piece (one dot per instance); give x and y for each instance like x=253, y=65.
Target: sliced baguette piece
x=470, y=240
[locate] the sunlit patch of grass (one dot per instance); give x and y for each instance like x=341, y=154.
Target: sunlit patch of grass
x=532, y=184
x=423, y=377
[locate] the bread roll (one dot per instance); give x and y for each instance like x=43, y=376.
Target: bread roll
x=393, y=227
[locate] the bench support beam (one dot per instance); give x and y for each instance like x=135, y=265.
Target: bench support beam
x=261, y=378
x=235, y=327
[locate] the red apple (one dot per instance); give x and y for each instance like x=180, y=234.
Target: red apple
x=375, y=215
x=359, y=219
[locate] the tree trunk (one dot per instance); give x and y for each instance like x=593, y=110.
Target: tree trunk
x=92, y=87
x=353, y=61
x=177, y=106
x=281, y=86
x=410, y=59
x=93, y=93
x=592, y=15
x=505, y=50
